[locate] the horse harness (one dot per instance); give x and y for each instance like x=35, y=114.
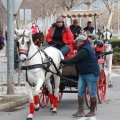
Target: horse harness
x=44, y=65
x=106, y=41
x=22, y=51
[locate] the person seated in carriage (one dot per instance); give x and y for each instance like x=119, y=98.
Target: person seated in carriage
x=89, y=27
x=88, y=70
x=61, y=37
x=75, y=28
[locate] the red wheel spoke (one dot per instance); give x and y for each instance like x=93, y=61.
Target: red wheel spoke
x=43, y=97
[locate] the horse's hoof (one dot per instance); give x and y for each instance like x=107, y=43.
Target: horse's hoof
x=36, y=109
x=54, y=112
x=29, y=119
x=110, y=86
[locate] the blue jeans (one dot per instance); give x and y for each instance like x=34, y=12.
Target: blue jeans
x=65, y=50
x=90, y=81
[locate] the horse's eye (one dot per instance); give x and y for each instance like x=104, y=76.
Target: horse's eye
x=27, y=42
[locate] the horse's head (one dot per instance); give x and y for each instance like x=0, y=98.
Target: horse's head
x=23, y=43
x=106, y=35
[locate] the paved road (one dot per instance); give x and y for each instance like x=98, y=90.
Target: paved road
x=109, y=110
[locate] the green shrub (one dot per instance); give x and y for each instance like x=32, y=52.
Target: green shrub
x=115, y=43
x=116, y=49
x=116, y=59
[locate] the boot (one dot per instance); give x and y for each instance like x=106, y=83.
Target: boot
x=92, y=107
x=80, y=112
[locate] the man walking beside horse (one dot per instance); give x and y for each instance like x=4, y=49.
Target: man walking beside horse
x=88, y=70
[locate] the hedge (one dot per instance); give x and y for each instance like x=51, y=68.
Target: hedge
x=116, y=59
x=116, y=45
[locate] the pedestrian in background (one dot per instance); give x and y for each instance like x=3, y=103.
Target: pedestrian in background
x=1, y=41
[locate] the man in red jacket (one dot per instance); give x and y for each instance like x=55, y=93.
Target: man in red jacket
x=61, y=37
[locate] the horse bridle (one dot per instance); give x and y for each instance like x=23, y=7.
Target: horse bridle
x=106, y=41
x=23, y=51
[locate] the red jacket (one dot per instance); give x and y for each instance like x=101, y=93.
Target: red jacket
x=67, y=37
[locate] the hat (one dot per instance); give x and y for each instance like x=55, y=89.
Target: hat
x=94, y=36
x=81, y=38
x=59, y=19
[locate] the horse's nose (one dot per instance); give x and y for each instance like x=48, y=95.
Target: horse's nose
x=23, y=60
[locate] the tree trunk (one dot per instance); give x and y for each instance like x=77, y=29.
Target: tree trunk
x=110, y=18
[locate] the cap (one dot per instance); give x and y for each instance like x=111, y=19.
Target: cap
x=59, y=19
x=94, y=36
x=81, y=38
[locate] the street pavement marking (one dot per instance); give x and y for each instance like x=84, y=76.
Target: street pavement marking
x=113, y=74
x=87, y=118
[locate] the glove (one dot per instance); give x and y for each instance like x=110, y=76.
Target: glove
x=62, y=62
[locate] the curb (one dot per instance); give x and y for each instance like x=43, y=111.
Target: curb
x=115, y=67
x=13, y=104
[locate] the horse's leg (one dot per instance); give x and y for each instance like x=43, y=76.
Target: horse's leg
x=36, y=94
x=56, y=92
x=47, y=82
x=31, y=101
x=110, y=70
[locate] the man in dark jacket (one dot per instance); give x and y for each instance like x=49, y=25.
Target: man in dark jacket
x=89, y=27
x=88, y=70
x=75, y=28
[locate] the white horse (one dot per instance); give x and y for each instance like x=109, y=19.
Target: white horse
x=36, y=74
x=106, y=36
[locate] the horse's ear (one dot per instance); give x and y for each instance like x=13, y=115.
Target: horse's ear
x=16, y=31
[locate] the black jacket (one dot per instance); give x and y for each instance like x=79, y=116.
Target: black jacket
x=75, y=29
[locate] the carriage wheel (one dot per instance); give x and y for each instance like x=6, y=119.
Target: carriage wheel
x=60, y=97
x=101, y=89
x=87, y=98
x=44, y=97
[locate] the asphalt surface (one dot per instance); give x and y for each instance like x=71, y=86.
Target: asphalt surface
x=109, y=110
